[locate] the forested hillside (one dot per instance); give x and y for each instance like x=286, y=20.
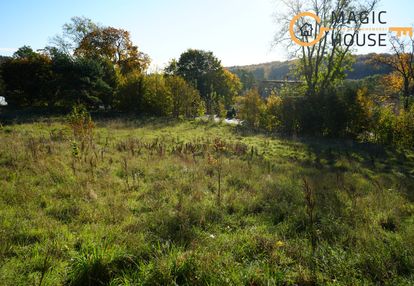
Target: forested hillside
x=280, y=70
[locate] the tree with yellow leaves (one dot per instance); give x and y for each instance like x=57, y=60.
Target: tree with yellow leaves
x=114, y=45
x=250, y=108
x=402, y=62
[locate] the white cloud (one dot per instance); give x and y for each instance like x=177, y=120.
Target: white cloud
x=8, y=50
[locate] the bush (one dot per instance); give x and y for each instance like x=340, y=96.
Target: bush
x=344, y=112
x=272, y=120
x=129, y=96
x=404, y=128
x=80, y=121
x=156, y=98
x=251, y=108
x=156, y=95
x=186, y=100
x=394, y=129
x=384, y=129
x=285, y=112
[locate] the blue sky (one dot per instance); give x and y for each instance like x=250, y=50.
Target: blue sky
x=237, y=31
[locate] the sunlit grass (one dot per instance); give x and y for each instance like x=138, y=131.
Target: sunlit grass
x=141, y=207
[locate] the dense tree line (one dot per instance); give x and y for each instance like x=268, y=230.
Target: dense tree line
x=2, y=60
x=100, y=67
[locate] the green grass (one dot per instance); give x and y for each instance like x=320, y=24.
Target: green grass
x=141, y=207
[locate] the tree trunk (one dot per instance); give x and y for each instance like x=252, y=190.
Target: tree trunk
x=406, y=93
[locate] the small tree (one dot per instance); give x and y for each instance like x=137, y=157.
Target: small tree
x=250, y=108
x=130, y=93
x=205, y=72
x=323, y=64
x=73, y=33
x=156, y=97
x=186, y=99
x=402, y=63
x=82, y=126
x=114, y=45
x=273, y=113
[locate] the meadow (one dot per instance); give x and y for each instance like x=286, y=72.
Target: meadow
x=170, y=202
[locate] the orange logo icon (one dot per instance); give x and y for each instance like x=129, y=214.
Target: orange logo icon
x=306, y=30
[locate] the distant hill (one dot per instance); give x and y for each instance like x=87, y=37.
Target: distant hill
x=280, y=70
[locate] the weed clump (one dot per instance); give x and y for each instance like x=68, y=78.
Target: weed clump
x=82, y=126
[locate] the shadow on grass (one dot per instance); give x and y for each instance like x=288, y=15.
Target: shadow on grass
x=9, y=116
x=328, y=151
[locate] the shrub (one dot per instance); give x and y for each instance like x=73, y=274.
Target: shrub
x=272, y=119
x=129, y=96
x=156, y=98
x=82, y=126
x=404, y=128
x=251, y=108
x=217, y=105
x=156, y=95
x=384, y=129
x=283, y=114
x=394, y=129
x=360, y=110
x=344, y=112
x=186, y=100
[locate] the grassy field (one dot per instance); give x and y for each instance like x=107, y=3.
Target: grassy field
x=195, y=203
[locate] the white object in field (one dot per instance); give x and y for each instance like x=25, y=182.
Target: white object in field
x=233, y=121
x=2, y=101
